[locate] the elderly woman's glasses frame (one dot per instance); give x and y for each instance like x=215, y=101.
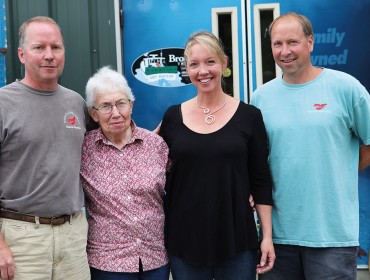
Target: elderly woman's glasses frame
x=107, y=108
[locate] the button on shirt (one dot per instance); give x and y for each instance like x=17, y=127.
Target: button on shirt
x=124, y=193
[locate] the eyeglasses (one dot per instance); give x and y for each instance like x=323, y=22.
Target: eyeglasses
x=107, y=108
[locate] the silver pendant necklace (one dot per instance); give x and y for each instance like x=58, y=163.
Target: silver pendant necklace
x=210, y=118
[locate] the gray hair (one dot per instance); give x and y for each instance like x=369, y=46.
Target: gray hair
x=22, y=34
x=106, y=81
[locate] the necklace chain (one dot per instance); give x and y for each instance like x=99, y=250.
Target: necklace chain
x=210, y=118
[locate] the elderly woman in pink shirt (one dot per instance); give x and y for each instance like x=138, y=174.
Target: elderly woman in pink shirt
x=123, y=175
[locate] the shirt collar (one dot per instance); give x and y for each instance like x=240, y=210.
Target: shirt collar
x=136, y=136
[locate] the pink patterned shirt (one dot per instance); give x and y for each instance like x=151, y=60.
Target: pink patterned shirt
x=124, y=192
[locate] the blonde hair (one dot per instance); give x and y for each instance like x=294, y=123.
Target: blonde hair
x=207, y=40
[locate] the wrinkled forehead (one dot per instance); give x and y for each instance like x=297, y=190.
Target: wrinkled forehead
x=286, y=27
x=109, y=96
x=44, y=30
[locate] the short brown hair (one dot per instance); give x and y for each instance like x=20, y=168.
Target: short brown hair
x=23, y=29
x=304, y=21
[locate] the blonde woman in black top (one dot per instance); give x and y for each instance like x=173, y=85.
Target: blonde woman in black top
x=218, y=149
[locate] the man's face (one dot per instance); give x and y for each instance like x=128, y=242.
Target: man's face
x=42, y=55
x=291, y=48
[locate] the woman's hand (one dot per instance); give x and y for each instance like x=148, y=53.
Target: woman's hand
x=158, y=128
x=267, y=256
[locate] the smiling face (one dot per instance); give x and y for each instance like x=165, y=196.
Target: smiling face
x=205, y=68
x=116, y=123
x=291, y=48
x=42, y=55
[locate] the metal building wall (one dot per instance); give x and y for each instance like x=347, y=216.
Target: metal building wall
x=3, y=44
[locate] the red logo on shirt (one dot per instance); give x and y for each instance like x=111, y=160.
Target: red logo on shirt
x=72, y=121
x=319, y=106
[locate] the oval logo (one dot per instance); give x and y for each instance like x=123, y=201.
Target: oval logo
x=161, y=68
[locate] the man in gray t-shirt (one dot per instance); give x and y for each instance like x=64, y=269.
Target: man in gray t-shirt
x=42, y=126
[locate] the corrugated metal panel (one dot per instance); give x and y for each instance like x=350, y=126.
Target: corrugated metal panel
x=3, y=44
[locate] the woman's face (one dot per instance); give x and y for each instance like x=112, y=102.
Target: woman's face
x=118, y=120
x=205, y=68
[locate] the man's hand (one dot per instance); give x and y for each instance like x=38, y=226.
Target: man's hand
x=6, y=261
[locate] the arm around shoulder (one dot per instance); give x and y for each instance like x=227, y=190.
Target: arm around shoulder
x=364, y=160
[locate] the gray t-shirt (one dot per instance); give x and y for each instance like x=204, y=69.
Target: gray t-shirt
x=41, y=134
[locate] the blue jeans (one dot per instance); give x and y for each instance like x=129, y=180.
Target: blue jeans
x=240, y=267
x=306, y=263
x=161, y=273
